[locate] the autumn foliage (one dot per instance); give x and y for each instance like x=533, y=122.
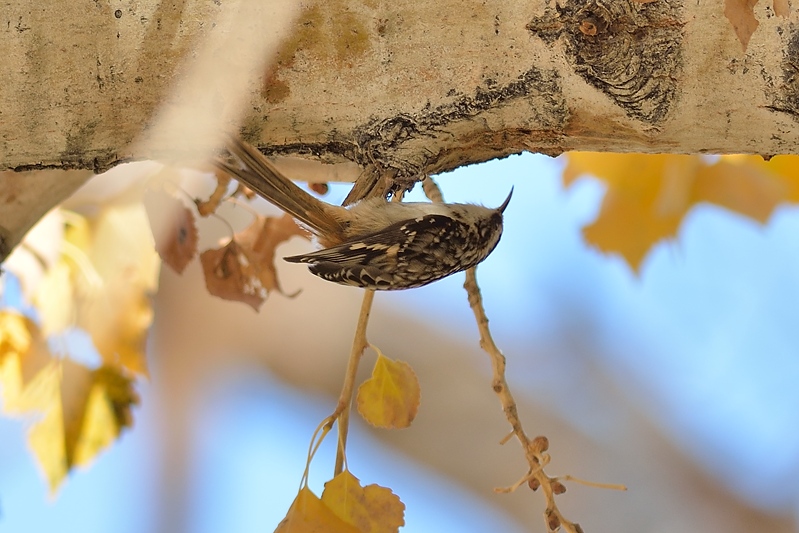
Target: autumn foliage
x=648, y=196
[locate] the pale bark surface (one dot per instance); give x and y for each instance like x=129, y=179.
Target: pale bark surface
x=401, y=88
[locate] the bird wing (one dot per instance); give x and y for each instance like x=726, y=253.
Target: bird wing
x=375, y=260
x=391, y=242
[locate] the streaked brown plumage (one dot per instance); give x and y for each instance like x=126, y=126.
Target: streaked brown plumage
x=375, y=244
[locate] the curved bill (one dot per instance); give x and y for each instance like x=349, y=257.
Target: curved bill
x=501, y=208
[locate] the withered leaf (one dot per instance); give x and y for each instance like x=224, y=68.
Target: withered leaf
x=230, y=275
x=319, y=188
x=173, y=228
x=207, y=207
x=260, y=239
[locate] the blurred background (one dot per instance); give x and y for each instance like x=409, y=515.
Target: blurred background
x=679, y=382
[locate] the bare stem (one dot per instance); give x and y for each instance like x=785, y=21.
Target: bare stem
x=342, y=412
x=534, y=449
x=498, y=382
x=609, y=486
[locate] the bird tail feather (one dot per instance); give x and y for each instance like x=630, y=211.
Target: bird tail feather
x=259, y=174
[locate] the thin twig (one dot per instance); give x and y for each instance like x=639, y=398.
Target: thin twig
x=498, y=382
x=587, y=483
x=342, y=412
x=534, y=449
x=316, y=440
x=359, y=344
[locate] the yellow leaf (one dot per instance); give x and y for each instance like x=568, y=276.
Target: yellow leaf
x=79, y=411
x=783, y=168
x=78, y=230
x=102, y=284
x=624, y=169
x=23, y=357
x=649, y=195
x=373, y=509
x=308, y=514
x=108, y=411
x=53, y=437
x=742, y=184
x=84, y=412
x=55, y=298
x=39, y=250
x=390, y=398
x=118, y=312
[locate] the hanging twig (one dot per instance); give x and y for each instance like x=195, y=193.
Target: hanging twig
x=342, y=412
x=534, y=449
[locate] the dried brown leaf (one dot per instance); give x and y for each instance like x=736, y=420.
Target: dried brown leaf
x=207, y=207
x=230, y=275
x=173, y=227
x=323, y=188
x=260, y=239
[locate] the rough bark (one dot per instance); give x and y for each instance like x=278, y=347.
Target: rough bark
x=400, y=89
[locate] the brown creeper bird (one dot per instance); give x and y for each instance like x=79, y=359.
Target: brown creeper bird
x=375, y=244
